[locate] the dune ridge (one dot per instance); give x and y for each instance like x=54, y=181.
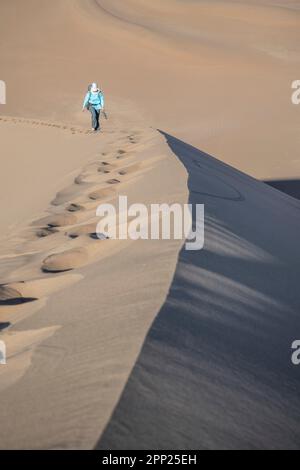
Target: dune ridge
x=215, y=369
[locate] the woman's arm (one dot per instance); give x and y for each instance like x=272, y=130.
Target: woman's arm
x=102, y=100
x=86, y=100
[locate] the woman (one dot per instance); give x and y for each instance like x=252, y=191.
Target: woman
x=94, y=102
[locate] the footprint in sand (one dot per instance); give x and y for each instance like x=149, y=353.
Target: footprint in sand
x=121, y=154
x=130, y=169
x=81, y=230
x=89, y=230
x=66, y=195
x=17, y=293
x=46, y=232
x=65, y=261
x=113, y=181
x=71, y=259
x=98, y=236
x=80, y=179
x=59, y=220
x=11, y=294
x=75, y=208
x=100, y=194
x=105, y=167
x=90, y=177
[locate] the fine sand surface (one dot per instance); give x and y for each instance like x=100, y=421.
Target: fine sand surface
x=215, y=370
x=94, y=300
x=141, y=344
x=36, y=157
x=217, y=74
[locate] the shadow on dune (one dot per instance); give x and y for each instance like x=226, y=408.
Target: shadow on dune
x=290, y=187
x=215, y=369
x=4, y=325
x=17, y=301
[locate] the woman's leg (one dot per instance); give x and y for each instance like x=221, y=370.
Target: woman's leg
x=98, y=119
x=93, y=112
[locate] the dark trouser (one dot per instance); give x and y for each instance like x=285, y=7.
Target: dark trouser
x=95, y=117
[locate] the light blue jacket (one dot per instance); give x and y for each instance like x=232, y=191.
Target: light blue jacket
x=94, y=99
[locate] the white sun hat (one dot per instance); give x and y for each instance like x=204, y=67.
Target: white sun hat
x=94, y=87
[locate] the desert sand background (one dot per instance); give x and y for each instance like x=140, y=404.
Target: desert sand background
x=141, y=344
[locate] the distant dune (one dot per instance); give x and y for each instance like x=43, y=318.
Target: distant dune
x=141, y=344
x=216, y=74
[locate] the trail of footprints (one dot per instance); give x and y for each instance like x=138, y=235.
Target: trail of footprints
x=55, y=125
x=67, y=235
x=131, y=138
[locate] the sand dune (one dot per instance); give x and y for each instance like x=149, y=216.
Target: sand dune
x=215, y=370
x=122, y=344
x=215, y=74
x=64, y=241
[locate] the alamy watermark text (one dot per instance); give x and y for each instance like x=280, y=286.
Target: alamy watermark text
x=2, y=92
x=156, y=222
